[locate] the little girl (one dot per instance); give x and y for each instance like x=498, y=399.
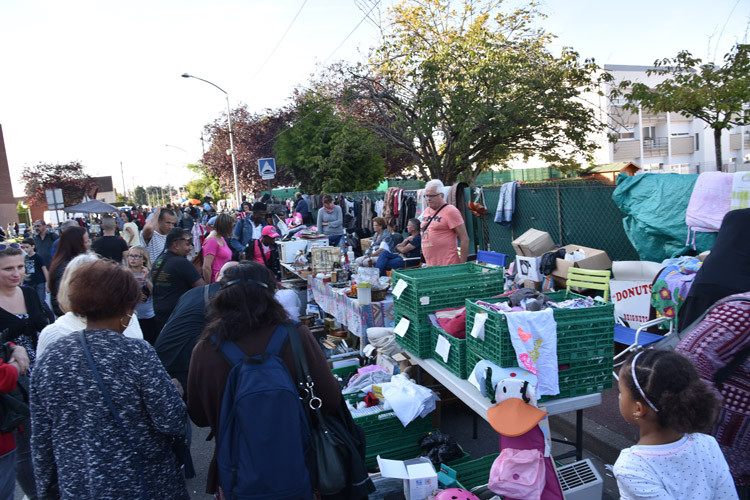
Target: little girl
x=661, y=393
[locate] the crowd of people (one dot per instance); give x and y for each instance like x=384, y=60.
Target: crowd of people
x=119, y=339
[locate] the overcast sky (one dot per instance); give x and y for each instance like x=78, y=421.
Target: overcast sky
x=100, y=81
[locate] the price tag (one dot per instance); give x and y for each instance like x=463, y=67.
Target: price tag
x=402, y=327
x=425, y=301
x=477, y=331
x=400, y=287
x=443, y=348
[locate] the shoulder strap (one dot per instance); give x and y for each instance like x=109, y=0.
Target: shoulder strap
x=432, y=217
x=113, y=410
x=277, y=340
x=231, y=352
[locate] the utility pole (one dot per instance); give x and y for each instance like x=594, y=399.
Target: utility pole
x=124, y=189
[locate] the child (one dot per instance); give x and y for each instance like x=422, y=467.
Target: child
x=36, y=272
x=661, y=393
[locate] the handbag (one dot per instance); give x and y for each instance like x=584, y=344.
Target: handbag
x=14, y=405
x=179, y=445
x=518, y=474
x=336, y=457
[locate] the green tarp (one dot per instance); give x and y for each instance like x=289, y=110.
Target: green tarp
x=655, y=205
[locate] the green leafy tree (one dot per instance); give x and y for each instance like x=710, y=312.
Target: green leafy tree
x=464, y=86
x=327, y=152
x=139, y=194
x=206, y=184
x=70, y=177
x=715, y=94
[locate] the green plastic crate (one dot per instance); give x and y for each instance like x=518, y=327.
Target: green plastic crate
x=475, y=472
x=583, y=377
x=387, y=437
x=582, y=334
x=417, y=340
x=456, y=356
x=440, y=287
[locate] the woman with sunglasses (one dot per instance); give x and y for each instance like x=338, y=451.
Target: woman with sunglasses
x=22, y=317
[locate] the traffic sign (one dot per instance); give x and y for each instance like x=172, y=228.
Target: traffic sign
x=267, y=177
x=267, y=167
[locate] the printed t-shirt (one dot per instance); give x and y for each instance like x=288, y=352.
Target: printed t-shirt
x=34, y=273
x=172, y=276
x=222, y=253
x=439, y=242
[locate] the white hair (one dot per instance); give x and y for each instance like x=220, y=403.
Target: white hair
x=437, y=184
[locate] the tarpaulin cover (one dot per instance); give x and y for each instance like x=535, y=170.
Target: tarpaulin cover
x=655, y=205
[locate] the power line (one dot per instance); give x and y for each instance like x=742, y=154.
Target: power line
x=280, y=40
x=352, y=31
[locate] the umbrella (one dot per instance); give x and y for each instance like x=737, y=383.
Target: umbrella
x=193, y=201
x=92, y=207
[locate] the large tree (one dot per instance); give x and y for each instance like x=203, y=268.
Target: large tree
x=139, y=196
x=327, y=152
x=462, y=89
x=254, y=137
x=715, y=94
x=70, y=177
x=206, y=184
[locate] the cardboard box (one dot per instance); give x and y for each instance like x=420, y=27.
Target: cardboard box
x=290, y=249
x=536, y=285
x=595, y=259
x=630, y=290
x=533, y=243
x=366, y=243
x=527, y=268
x=420, y=478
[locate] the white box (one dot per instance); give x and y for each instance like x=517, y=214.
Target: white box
x=632, y=300
x=528, y=268
x=290, y=249
x=420, y=478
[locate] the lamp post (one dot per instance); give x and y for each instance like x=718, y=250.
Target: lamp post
x=231, y=137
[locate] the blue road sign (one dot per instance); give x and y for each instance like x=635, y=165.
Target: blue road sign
x=267, y=166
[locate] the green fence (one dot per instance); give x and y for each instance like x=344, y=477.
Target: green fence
x=571, y=212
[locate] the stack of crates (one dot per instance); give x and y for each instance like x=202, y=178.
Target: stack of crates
x=585, y=343
x=430, y=289
x=473, y=473
x=386, y=436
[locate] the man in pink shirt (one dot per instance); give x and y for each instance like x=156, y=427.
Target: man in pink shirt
x=442, y=224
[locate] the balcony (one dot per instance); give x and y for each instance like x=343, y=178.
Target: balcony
x=683, y=145
x=655, y=147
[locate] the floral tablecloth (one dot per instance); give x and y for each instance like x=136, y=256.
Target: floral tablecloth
x=357, y=318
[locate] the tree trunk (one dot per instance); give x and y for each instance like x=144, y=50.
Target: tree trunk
x=717, y=148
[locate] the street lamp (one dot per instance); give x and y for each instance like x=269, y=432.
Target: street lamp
x=231, y=137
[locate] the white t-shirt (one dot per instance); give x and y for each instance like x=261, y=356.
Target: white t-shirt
x=690, y=468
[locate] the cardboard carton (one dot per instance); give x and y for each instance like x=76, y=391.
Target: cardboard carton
x=594, y=259
x=630, y=290
x=366, y=243
x=527, y=268
x=420, y=478
x=533, y=243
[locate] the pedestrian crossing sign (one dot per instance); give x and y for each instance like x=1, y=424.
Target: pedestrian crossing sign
x=267, y=167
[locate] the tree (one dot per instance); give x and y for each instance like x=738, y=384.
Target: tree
x=70, y=177
x=254, y=137
x=139, y=194
x=328, y=153
x=464, y=89
x=715, y=94
x=205, y=184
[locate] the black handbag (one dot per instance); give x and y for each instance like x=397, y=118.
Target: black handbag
x=336, y=458
x=14, y=405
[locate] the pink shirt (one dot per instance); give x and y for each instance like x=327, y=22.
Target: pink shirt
x=222, y=254
x=439, y=242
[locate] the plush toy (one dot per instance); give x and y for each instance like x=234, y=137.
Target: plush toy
x=516, y=411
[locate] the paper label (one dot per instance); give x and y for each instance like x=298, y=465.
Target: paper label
x=443, y=348
x=400, y=287
x=425, y=301
x=402, y=327
x=477, y=331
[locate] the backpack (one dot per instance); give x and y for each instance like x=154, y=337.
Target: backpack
x=263, y=432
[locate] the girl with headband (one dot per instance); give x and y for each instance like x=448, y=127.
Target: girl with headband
x=661, y=393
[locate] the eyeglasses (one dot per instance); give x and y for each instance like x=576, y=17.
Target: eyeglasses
x=3, y=246
x=135, y=256
x=432, y=195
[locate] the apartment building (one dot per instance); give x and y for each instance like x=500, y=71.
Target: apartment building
x=668, y=142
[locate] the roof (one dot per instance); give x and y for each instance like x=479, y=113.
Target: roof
x=611, y=167
x=627, y=67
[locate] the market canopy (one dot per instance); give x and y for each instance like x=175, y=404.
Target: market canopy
x=91, y=207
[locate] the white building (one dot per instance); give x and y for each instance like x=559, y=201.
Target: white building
x=668, y=142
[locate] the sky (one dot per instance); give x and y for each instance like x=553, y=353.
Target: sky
x=99, y=82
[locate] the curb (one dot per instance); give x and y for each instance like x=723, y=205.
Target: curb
x=597, y=439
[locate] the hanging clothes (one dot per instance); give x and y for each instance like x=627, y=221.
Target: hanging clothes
x=507, y=203
x=378, y=208
x=534, y=338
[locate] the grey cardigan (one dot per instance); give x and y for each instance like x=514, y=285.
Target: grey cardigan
x=335, y=221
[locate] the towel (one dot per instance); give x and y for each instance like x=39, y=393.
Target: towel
x=534, y=338
x=506, y=205
x=740, y=191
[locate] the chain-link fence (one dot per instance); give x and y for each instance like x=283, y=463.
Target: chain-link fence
x=579, y=213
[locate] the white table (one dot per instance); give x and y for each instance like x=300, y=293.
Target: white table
x=469, y=394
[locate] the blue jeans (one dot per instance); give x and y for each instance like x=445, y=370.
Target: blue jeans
x=8, y=475
x=336, y=240
x=388, y=261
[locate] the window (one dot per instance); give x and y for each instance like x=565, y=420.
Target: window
x=697, y=142
x=626, y=135
x=649, y=133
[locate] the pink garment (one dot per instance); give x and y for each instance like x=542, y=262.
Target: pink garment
x=709, y=203
x=534, y=440
x=453, y=321
x=221, y=253
x=257, y=256
x=439, y=242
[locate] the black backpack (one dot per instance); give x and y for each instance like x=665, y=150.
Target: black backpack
x=14, y=405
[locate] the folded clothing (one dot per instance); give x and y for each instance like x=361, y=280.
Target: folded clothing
x=453, y=321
